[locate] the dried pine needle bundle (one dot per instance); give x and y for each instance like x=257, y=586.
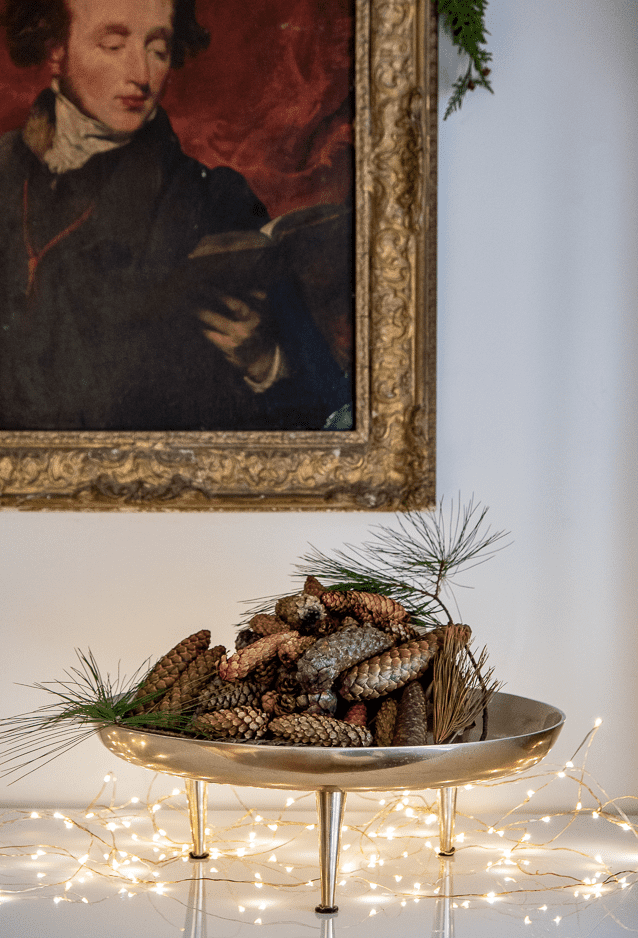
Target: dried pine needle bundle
x=460, y=689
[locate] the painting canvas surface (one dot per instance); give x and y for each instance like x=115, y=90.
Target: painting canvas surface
x=271, y=101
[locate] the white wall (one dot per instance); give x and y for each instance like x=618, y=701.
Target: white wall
x=537, y=418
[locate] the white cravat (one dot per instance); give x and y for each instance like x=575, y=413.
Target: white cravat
x=78, y=137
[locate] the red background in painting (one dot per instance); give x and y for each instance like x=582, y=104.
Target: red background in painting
x=270, y=97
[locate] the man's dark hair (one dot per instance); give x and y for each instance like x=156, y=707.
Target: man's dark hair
x=34, y=27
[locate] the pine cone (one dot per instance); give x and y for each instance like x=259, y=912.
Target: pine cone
x=164, y=674
x=357, y=714
x=401, y=632
x=268, y=701
x=324, y=703
x=319, y=731
x=244, y=638
x=285, y=704
x=188, y=685
x=265, y=673
x=322, y=662
x=238, y=723
x=411, y=727
x=263, y=624
x=239, y=665
x=302, y=612
x=365, y=605
x=314, y=587
x=382, y=674
x=287, y=683
x=292, y=648
x=225, y=695
x=384, y=722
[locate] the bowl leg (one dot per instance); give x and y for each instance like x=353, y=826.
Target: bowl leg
x=197, y=792
x=195, y=925
x=330, y=806
x=443, y=926
x=447, y=814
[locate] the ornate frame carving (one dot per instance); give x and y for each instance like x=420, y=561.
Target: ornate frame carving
x=388, y=462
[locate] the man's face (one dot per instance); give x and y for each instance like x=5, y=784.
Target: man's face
x=116, y=60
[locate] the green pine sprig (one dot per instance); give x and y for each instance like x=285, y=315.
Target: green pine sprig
x=85, y=700
x=416, y=562
x=464, y=22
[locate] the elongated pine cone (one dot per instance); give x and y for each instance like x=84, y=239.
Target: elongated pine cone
x=164, y=674
x=263, y=624
x=365, y=605
x=293, y=648
x=411, y=727
x=384, y=673
x=400, y=631
x=225, y=695
x=238, y=723
x=239, y=665
x=302, y=612
x=319, y=731
x=384, y=722
x=322, y=662
x=189, y=683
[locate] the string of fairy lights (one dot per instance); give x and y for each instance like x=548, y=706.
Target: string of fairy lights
x=388, y=858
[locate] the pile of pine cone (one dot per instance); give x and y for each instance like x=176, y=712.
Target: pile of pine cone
x=327, y=668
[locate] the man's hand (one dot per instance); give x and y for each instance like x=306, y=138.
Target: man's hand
x=239, y=332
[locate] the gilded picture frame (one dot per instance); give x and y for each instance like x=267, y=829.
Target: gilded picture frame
x=387, y=462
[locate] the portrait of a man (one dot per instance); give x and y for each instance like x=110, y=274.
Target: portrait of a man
x=141, y=287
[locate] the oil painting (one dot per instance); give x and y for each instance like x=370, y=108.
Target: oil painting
x=197, y=228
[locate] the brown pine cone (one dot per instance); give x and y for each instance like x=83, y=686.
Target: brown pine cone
x=244, y=638
x=293, y=648
x=314, y=587
x=268, y=701
x=400, y=631
x=238, y=723
x=411, y=727
x=322, y=662
x=263, y=624
x=357, y=714
x=265, y=673
x=382, y=674
x=188, y=685
x=225, y=695
x=285, y=704
x=384, y=722
x=365, y=605
x=164, y=674
x=287, y=683
x=239, y=665
x=301, y=611
x=319, y=731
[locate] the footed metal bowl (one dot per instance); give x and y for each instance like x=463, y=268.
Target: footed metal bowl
x=520, y=733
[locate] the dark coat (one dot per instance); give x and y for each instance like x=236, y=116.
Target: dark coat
x=99, y=340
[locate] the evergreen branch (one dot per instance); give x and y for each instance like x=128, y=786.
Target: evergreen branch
x=464, y=22
x=413, y=563
x=85, y=700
